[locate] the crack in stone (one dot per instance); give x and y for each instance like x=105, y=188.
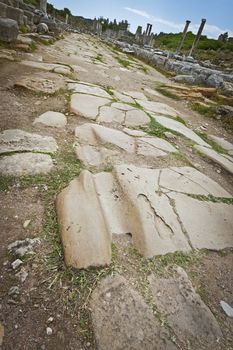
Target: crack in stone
x=157, y=218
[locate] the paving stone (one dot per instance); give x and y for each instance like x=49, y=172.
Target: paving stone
x=46, y=86
x=89, y=89
x=111, y=115
x=92, y=156
x=25, y=164
x=136, y=117
x=123, y=98
x=62, y=70
x=94, y=134
x=45, y=66
x=15, y=140
x=191, y=181
x=87, y=105
x=136, y=133
x=158, y=108
x=208, y=225
x=122, y=106
x=53, y=119
x=216, y=157
x=181, y=128
x=188, y=316
x=86, y=241
x=223, y=143
x=136, y=95
x=156, y=142
x=122, y=319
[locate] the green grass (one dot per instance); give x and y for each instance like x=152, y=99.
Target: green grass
x=201, y=109
x=163, y=91
x=180, y=120
x=212, y=143
x=212, y=199
x=156, y=129
x=123, y=62
x=23, y=29
x=99, y=57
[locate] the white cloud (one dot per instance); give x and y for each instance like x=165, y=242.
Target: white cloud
x=138, y=12
x=210, y=30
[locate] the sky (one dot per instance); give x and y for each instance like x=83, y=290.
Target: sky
x=165, y=15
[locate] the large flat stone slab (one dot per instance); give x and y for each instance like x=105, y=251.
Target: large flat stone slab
x=16, y=140
x=136, y=95
x=85, y=238
x=93, y=156
x=87, y=105
x=52, y=119
x=111, y=115
x=216, y=157
x=136, y=117
x=88, y=89
x=122, y=319
x=45, y=66
x=158, y=108
x=123, y=98
x=145, y=203
x=223, y=143
x=38, y=84
x=191, y=320
x=181, y=128
x=208, y=225
x=25, y=164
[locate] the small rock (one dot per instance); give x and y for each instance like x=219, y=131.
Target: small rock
x=14, y=291
x=22, y=275
x=50, y=319
x=26, y=223
x=219, y=171
x=16, y=264
x=21, y=248
x=49, y=331
x=227, y=308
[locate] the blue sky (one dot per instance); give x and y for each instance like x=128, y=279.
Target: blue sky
x=165, y=15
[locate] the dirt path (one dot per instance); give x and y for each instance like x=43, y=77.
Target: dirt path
x=52, y=306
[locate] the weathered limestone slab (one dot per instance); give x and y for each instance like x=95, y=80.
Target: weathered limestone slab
x=158, y=108
x=122, y=106
x=158, y=143
x=112, y=303
x=85, y=238
x=25, y=164
x=191, y=181
x=208, y=225
x=190, y=319
x=44, y=66
x=223, y=143
x=111, y=115
x=62, y=70
x=93, y=156
x=87, y=105
x=136, y=133
x=53, y=119
x=123, y=98
x=218, y=158
x=15, y=140
x=88, y=89
x=94, y=134
x=136, y=117
x=181, y=128
x=136, y=95
x=38, y=84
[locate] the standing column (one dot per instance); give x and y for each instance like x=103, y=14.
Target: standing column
x=181, y=43
x=147, y=28
x=43, y=5
x=67, y=18
x=197, y=38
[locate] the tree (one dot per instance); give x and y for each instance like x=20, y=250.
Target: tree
x=223, y=37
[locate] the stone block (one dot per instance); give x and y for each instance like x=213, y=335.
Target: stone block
x=8, y=30
x=3, y=8
x=15, y=14
x=30, y=16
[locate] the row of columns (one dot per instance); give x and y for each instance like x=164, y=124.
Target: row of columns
x=197, y=38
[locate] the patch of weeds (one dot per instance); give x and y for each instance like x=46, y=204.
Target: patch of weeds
x=182, y=158
x=203, y=110
x=33, y=46
x=123, y=62
x=108, y=168
x=212, y=199
x=136, y=105
x=99, y=57
x=204, y=294
x=212, y=143
x=23, y=29
x=163, y=91
x=109, y=89
x=6, y=182
x=180, y=120
x=46, y=42
x=164, y=72
x=156, y=129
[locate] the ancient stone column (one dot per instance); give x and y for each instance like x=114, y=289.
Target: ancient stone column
x=181, y=43
x=197, y=38
x=149, y=30
x=43, y=5
x=67, y=18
